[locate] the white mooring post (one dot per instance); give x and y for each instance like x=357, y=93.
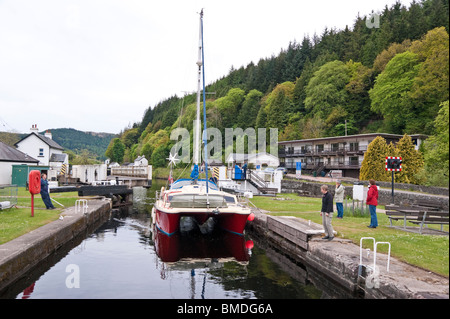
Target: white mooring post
x=81, y=206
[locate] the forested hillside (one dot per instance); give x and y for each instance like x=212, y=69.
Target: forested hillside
x=90, y=144
x=392, y=79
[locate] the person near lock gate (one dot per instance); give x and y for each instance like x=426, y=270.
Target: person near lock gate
x=45, y=192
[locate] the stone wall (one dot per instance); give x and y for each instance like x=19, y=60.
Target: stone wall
x=415, y=188
x=401, y=197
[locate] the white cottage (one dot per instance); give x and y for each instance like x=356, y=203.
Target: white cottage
x=41, y=147
x=141, y=161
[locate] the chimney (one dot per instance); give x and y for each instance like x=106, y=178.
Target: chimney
x=34, y=128
x=48, y=134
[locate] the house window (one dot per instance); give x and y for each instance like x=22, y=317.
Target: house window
x=335, y=147
x=41, y=152
x=354, y=146
x=354, y=161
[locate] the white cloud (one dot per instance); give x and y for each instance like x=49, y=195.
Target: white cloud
x=97, y=65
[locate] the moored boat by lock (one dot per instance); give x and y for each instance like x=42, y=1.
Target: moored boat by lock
x=214, y=208
x=195, y=198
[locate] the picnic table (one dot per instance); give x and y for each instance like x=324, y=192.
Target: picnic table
x=418, y=215
x=403, y=213
x=431, y=217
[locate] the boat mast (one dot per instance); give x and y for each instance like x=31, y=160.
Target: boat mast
x=205, y=142
x=197, y=123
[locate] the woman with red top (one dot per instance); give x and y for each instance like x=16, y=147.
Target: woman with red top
x=372, y=201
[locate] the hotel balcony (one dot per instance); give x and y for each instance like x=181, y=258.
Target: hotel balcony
x=328, y=166
x=342, y=151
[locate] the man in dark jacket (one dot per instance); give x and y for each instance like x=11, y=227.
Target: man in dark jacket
x=327, y=212
x=44, y=192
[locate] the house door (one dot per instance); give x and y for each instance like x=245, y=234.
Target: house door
x=19, y=175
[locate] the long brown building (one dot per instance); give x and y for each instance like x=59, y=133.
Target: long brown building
x=342, y=155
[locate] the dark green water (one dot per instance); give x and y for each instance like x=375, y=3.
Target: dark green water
x=127, y=258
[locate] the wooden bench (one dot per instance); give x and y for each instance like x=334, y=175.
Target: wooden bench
x=398, y=215
x=431, y=217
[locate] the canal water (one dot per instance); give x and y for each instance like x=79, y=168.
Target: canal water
x=127, y=258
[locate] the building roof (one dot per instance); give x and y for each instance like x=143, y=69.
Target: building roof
x=139, y=158
x=350, y=137
x=10, y=154
x=239, y=157
x=44, y=139
x=261, y=158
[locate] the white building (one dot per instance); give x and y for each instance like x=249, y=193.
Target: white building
x=141, y=161
x=90, y=173
x=260, y=160
x=42, y=147
x=10, y=156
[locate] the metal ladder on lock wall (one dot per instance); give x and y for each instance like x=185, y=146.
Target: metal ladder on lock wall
x=371, y=279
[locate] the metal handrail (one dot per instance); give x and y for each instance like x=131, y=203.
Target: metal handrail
x=375, y=246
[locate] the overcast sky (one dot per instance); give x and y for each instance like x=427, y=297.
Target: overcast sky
x=97, y=65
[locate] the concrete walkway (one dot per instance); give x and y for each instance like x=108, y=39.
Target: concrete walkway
x=339, y=260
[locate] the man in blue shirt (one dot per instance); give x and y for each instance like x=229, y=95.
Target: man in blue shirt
x=44, y=192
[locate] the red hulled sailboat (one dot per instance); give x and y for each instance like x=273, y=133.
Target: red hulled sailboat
x=195, y=198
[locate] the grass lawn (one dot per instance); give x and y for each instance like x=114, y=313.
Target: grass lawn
x=425, y=251
x=15, y=222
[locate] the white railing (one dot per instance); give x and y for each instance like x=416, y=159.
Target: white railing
x=133, y=171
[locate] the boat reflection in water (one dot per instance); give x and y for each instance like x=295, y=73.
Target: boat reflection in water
x=189, y=245
x=199, y=253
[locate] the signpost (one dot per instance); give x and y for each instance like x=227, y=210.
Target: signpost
x=393, y=164
x=298, y=170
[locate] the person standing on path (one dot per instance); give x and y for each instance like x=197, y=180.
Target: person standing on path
x=327, y=212
x=372, y=201
x=44, y=192
x=339, y=199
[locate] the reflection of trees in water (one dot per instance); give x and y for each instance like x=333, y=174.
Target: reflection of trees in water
x=262, y=278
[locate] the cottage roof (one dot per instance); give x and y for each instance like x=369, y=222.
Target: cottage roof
x=139, y=158
x=10, y=154
x=44, y=139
